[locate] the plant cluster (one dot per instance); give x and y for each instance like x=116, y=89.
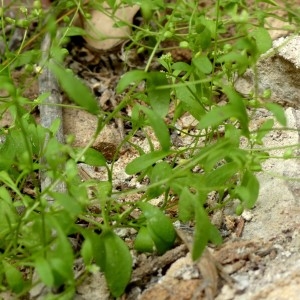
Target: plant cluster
x=223, y=39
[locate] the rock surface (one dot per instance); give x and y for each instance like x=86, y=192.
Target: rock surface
x=278, y=70
x=276, y=215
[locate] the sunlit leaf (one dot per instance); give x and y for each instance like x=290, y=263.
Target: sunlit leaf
x=44, y=271
x=191, y=104
x=61, y=269
x=5, y=195
x=26, y=58
x=145, y=161
x=215, y=117
x=75, y=88
x=204, y=232
x=86, y=251
x=159, y=97
x=68, y=203
x=203, y=64
x=91, y=157
x=99, y=252
x=160, y=227
x=248, y=190
x=204, y=39
x=219, y=176
x=186, y=207
x=14, y=277
x=238, y=108
x=263, y=39
x=131, y=77
x=269, y=2
x=160, y=128
x=73, y=31
x=8, y=220
x=160, y=171
x=278, y=112
x=117, y=263
x=143, y=241
x=235, y=57
x=181, y=66
x=263, y=130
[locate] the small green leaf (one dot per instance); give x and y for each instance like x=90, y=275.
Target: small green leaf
x=91, y=157
x=160, y=171
x=219, y=176
x=269, y=2
x=5, y=195
x=68, y=203
x=278, y=112
x=239, y=209
x=147, y=9
x=7, y=85
x=117, y=263
x=7, y=154
x=204, y=39
x=181, y=66
x=26, y=57
x=186, y=202
x=75, y=89
x=248, y=190
x=159, y=98
x=60, y=257
x=53, y=153
x=237, y=58
x=8, y=218
x=103, y=192
x=213, y=153
x=131, y=77
x=14, y=277
x=238, y=109
x=204, y=232
x=99, y=252
x=73, y=31
x=61, y=270
x=55, y=126
x=203, y=64
x=44, y=270
x=86, y=251
x=215, y=117
x=263, y=39
x=235, y=108
x=15, y=145
x=201, y=232
x=143, y=241
x=263, y=130
x=144, y=161
x=160, y=227
x=160, y=128
x=187, y=95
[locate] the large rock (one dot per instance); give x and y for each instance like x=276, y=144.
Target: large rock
x=278, y=70
x=276, y=215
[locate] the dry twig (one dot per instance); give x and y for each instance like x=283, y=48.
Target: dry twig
x=158, y=262
x=50, y=110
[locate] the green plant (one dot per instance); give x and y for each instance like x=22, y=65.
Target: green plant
x=34, y=236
